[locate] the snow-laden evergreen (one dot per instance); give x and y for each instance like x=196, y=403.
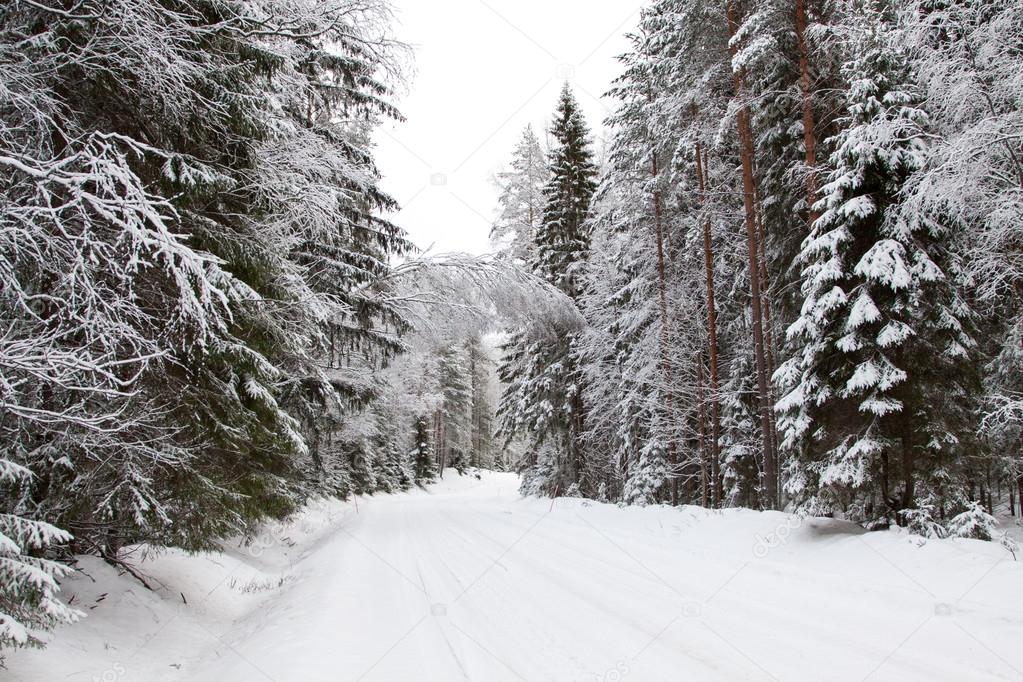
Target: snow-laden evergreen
x=970, y=61
x=876, y=381
x=543, y=395
x=562, y=239
x=522, y=200
x=190, y=228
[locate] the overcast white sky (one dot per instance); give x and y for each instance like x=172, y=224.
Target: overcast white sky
x=484, y=69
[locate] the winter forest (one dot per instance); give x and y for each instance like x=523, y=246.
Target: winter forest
x=788, y=278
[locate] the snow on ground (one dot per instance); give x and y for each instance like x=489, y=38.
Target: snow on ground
x=469, y=581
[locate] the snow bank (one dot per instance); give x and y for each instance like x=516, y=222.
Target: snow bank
x=133, y=633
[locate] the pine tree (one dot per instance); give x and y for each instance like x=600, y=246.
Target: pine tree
x=881, y=343
x=759, y=301
x=522, y=200
x=628, y=351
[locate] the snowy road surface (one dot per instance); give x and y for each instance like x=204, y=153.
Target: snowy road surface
x=471, y=582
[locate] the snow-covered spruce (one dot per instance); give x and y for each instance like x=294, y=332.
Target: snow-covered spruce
x=878, y=384
x=172, y=307
x=543, y=396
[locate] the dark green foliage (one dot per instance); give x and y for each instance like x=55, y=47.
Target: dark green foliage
x=225, y=346
x=563, y=240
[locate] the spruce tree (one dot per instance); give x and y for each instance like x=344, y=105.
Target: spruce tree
x=874, y=393
x=563, y=239
x=179, y=296
x=543, y=383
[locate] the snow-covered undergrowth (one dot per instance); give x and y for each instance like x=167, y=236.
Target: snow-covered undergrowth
x=133, y=633
x=468, y=580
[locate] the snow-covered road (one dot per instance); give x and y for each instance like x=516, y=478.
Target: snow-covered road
x=469, y=581
x=472, y=582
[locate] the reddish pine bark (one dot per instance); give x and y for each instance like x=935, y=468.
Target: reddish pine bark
x=770, y=495
x=809, y=134
x=665, y=361
x=712, y=335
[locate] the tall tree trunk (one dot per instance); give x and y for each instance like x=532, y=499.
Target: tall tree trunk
x=765, y=288
x=717, y=485
x=665, y=359
x=809, y=125
x=770, y=494
x=809, y=133
x=473, y=418
x=705, y=448
x=438, y=418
